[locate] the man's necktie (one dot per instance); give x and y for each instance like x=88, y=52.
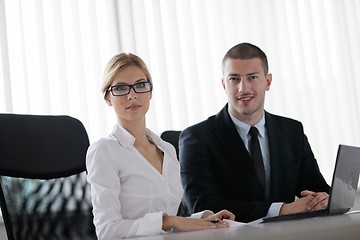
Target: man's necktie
x=256, y=155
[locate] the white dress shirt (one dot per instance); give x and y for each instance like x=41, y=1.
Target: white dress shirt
x=129, y=195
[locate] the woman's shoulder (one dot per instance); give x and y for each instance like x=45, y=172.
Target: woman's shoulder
x=102, y=142
x=102, y=145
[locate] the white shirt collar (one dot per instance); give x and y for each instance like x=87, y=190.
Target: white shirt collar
x=244, y=128
x=126, y=139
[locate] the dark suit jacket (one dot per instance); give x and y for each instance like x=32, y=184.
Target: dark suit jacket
x=217, y=172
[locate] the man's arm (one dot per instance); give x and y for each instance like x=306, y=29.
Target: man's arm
x=211, y=182
x=312, y=179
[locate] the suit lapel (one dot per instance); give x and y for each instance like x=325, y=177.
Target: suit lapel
x=276, y=164
x=225, y=130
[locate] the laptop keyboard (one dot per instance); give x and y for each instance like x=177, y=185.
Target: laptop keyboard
x=295, y=216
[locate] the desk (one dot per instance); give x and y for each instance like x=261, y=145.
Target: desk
x=340, y=227
x=344, y=227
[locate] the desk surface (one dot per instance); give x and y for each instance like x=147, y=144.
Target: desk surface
x=345, y=227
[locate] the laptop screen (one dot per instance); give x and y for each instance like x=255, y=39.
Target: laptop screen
x=345, y=179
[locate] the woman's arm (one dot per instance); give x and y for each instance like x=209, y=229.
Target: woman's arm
x=181, y=224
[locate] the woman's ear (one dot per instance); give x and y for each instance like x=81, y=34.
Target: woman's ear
x=108, y=102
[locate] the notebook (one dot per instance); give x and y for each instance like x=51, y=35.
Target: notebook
x=343, y=187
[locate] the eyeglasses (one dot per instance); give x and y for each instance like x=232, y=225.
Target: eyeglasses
x=124, y=89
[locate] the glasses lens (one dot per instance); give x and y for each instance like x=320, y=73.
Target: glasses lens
x=119, y=90
x=143, y=87
x=122, y=89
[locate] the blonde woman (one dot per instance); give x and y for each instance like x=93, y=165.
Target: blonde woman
x=134, y=175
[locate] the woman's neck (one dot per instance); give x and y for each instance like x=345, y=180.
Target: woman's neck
x=138, y=130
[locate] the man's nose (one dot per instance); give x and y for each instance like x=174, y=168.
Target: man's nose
x=243, y=84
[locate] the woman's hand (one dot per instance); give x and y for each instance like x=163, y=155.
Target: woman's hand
x=184, y=224
x=224, y=214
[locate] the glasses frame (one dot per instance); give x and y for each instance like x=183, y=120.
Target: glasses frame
x=131, y=86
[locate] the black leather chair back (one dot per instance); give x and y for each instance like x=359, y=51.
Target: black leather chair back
x=43, y=188
x=172, y=137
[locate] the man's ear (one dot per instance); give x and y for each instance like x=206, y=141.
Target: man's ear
x=268, y=81
x=223, y=83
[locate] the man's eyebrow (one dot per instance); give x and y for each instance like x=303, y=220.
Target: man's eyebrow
x=253, y=73
x=233, y=74
x=237, y=75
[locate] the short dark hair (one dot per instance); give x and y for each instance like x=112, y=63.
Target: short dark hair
x=246, y=51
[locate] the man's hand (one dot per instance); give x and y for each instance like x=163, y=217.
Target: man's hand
x=310, y=201
x=299, y=205
x=320, y=201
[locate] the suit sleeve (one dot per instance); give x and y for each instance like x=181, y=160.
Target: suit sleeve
x=293, y=165
x=310, y=177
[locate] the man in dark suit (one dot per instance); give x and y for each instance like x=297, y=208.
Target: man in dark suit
x=217, y=158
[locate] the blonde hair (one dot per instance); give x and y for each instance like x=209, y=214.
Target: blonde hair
x=119, y=62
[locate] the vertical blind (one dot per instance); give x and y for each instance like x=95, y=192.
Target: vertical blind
x=53, y=54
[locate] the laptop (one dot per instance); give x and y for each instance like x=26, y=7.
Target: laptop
x=343, y=187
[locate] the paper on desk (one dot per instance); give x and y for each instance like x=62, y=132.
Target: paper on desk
x=239, y=224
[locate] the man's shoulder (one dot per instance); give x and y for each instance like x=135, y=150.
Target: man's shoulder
x=215, y=120
x=273, y=118
x=200, y=126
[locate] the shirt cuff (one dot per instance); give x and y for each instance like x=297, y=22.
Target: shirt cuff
x=151, y=224
x=274, y=209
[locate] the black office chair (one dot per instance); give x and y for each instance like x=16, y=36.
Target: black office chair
x=172, y=137
x=43, y=188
